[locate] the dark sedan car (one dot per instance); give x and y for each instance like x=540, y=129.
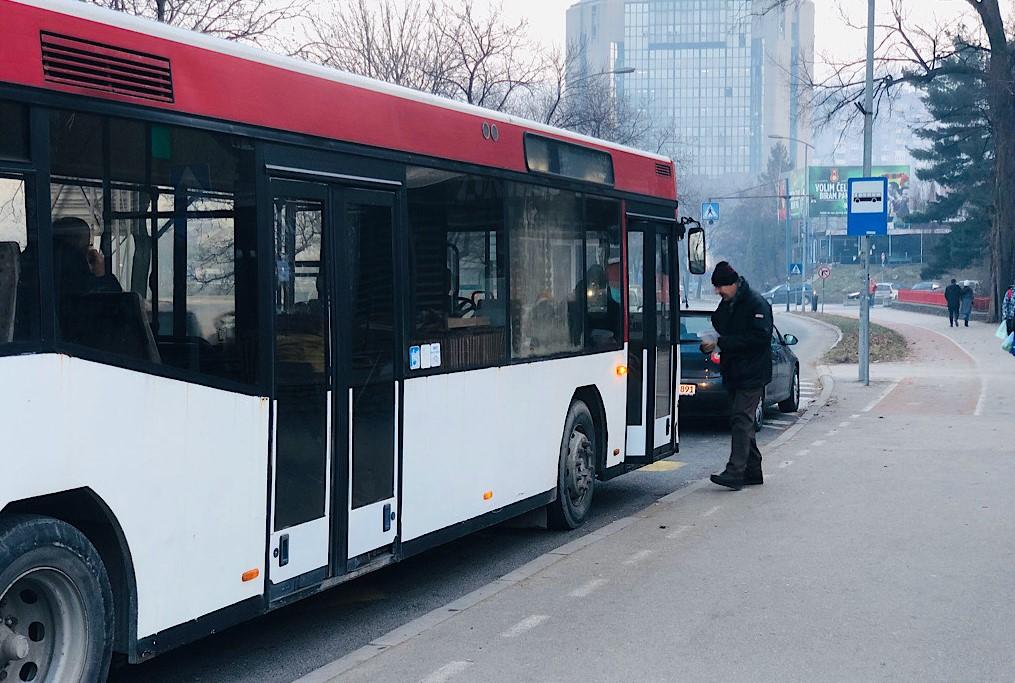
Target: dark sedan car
x=701, y=390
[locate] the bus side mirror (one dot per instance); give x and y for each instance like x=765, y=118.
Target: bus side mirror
x=696, y=250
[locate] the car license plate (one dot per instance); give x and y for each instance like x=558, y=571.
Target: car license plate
x=687, y=389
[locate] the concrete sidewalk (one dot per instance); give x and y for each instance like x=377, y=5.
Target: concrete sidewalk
x=881, y=547
x=954, y=362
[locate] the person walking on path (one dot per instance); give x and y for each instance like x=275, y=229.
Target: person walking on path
x=1008, y=308
x=743, y=320
x=953, y=295
x=966, y=304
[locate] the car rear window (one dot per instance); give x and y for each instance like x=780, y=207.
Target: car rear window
x=691, y=325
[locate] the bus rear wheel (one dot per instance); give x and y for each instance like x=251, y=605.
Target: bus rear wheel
x=576, y=471
x=56, y=604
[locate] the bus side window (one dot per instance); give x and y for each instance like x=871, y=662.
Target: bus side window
x=19, y=279
x=458, y=265
x=153, y=244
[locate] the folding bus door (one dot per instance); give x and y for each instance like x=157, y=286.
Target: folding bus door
x=303, y=388
x=651, y=360
x=368, y=278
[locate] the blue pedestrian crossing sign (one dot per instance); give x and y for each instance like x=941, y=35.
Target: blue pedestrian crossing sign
x=796, y=269
x=710, y=211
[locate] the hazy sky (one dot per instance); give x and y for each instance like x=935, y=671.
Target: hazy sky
x=546, y=20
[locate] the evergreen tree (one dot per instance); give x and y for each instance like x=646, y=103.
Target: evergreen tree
x=959, y=157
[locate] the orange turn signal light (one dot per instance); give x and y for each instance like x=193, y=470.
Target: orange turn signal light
x=621, y=370
x=487, y=495
x=250, y=574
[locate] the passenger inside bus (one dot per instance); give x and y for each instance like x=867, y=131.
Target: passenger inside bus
x=92, y=308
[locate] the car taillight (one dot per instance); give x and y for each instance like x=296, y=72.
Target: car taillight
x=714, y=357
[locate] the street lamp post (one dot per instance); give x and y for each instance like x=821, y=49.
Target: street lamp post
x=803, y=251
x=568, y=84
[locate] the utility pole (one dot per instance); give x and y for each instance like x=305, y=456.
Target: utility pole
x=868, y=125
x=789, y=252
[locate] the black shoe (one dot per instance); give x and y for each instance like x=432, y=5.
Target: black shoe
x=754, y=478
x=727, y=480
x=967, y=323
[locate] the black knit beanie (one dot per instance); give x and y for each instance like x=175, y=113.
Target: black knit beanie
x=724, y=274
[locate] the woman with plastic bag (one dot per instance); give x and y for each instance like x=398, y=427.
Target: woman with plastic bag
x=1008, y=309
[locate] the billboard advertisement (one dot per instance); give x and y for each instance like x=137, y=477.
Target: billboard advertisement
x=827, y=187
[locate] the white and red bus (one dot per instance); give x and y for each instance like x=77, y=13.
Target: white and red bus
x=265, y=326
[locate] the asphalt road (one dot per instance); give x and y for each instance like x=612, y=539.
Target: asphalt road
x=290, y=642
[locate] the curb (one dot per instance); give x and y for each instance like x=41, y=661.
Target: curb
x=838, y=332
x=827, y=387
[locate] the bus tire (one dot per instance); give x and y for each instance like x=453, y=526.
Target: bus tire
x=576, y=470
x=56, y=603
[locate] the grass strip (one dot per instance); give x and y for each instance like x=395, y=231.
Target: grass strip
x=887, y=345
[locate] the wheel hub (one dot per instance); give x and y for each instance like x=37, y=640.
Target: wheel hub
x=43, y=631
x=12, y=646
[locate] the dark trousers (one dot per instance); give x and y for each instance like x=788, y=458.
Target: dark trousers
x=1011, y=324
x=744, y=453
x=953, y=315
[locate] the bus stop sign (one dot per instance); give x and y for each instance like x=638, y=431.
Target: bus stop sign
x=867, y=206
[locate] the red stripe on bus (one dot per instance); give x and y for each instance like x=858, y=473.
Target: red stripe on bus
x=231, y=88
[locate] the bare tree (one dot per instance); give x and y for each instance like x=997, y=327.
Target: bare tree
x=592, y=104
x=444, y=47
x=386, y=40
x=261, y=22
x=917, y=55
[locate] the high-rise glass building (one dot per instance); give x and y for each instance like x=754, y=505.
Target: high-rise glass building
x=717, y=77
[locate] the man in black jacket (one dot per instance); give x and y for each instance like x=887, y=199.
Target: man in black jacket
x=744, y=323
x=953, y=295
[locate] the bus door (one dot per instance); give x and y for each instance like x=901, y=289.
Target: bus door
x=372, y=393
x=651, y=405
x=335, y=399
x=304, y=387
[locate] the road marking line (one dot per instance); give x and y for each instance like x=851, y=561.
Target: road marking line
x=891, y=387
x=843, y=424
x=587, y=589
x=853, y=417
x=663, y=466
x=637, y=557
x=780, y=422
x=678, y=531
x=803, y=452
x=777, y=428
x=832, y=433
x=526, y=624
x=819, y=442
x=785, y=463
x=446, y=672
x=709, y=513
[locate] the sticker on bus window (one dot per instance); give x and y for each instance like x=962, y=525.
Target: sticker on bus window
x=414, y=358
x=435, y=355
x=424, y=357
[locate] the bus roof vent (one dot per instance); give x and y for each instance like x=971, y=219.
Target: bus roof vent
x=664, y=170
x=86, y=64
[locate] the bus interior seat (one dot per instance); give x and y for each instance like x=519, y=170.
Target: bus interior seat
x=113, y=322
x=10, y=264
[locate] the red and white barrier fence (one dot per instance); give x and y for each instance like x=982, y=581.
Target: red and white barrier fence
x=937, y=298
